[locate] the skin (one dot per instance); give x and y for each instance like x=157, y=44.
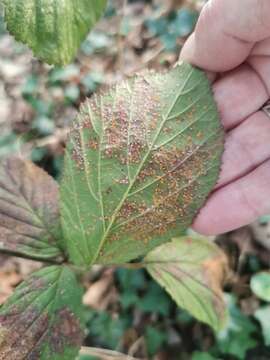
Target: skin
x=232, y=42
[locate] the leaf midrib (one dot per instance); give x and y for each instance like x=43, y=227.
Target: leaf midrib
x=175, y=167
x=212, y=316
x=34, y=300
x=155, y=207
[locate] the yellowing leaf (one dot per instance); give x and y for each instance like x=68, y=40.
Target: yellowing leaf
x=43, y=318
x=29, y=213
x=141, y=160
x=53, y=29
x=192, y=270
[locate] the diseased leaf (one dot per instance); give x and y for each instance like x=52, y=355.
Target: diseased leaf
x=260, y=285
x=53, y=29
x=43, y=318
x=29, y=212
x=192, y=270
x=141, y=160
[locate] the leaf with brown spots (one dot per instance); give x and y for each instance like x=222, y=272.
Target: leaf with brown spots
x=29, y=211
x=141, y=160
x=193, y=271
x=43, y=318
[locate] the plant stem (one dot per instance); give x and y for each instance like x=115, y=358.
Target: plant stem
x=105, y=354
x=131, y=266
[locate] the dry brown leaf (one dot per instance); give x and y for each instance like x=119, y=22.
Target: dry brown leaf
x=101, y=293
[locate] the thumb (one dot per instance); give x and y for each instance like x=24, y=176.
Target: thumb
x=226, y=32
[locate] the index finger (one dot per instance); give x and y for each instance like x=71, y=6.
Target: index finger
x=226, y=32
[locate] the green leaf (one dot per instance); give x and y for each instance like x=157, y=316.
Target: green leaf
x=202, y=356
x=239, y=334
x=106, y=330
x=263, y=316
x=88, y=357
x=53, y=29
x=29, y=213
x=141, y=160
x=43, y=318
x=192, y=271
x=260, y=285
x=148, y=302
x=154, y=340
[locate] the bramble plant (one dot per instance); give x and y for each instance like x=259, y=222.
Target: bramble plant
x=53, y=29
x=141, y=160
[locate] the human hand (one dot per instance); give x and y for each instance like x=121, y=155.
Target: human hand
x=232, y=42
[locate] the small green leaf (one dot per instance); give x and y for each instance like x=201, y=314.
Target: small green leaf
x=154, y=340
x=202, y=356
x=106, y=330
x=72, y=93
x=43, y=318
x=263, y=316
x=141, y=160
x=148, y=302
x=29, y=213
x=238, y=335
x=87, y=357
x=260, y=285
x=53, y=29
x=192, y=271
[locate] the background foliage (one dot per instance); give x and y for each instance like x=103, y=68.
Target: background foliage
x=126, y=310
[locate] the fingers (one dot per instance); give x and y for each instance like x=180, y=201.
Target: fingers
x=262, y=48
x=239, y=94
x=226, y=33
x=214, y=57
x=236, y=204
x=261, y=64
x=247, y=146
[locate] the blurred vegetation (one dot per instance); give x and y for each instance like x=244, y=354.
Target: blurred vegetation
x=131, y=314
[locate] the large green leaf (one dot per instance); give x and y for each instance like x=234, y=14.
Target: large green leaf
x=29, y=211
x=141, y=160
x=53, y=29
x=43, y=318
x=192, y=270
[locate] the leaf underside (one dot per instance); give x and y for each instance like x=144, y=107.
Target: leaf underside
x=141, y=160
x=43, y=318
x=29, y=211
x=53, y=29
x=192, y=270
